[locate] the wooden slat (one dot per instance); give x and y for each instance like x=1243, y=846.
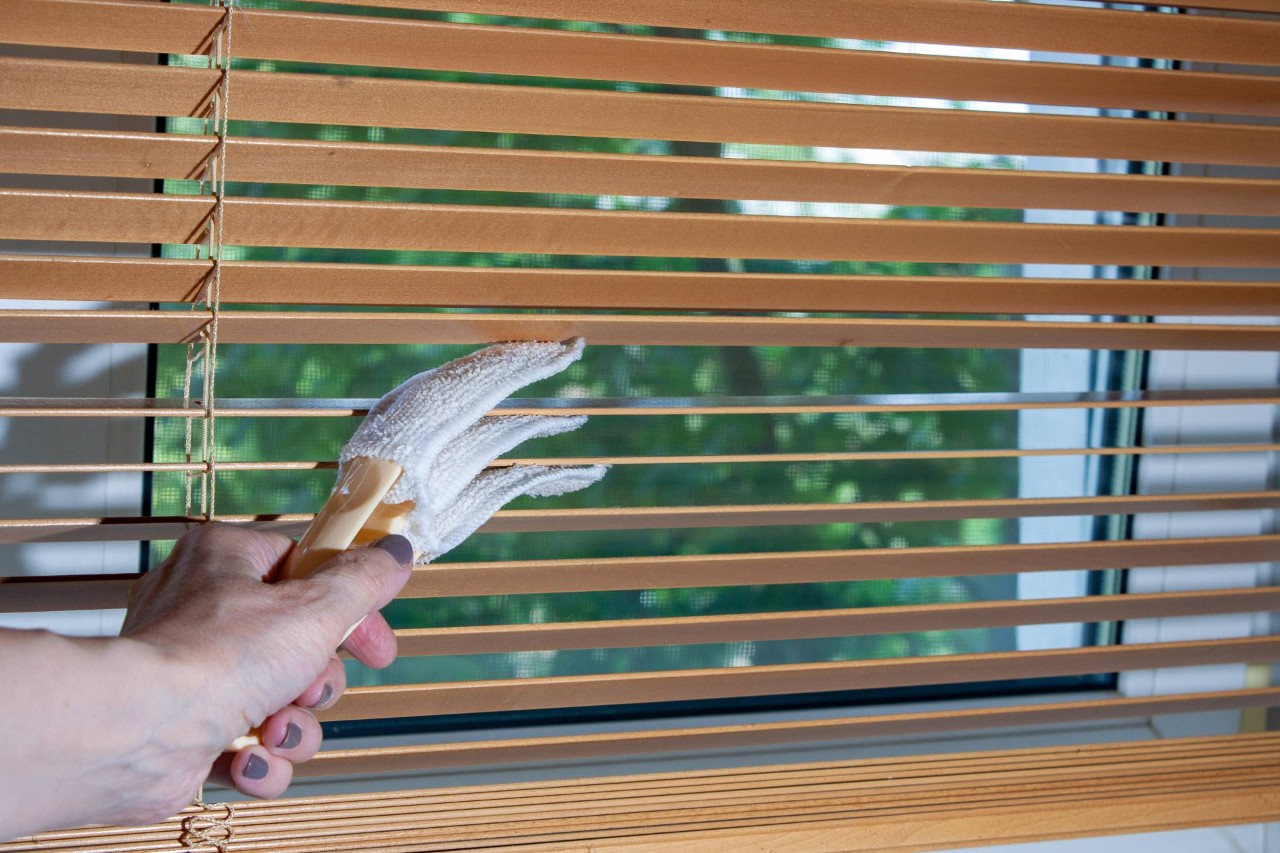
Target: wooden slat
x=35, y=84
x=880, y=805
x=399, y=43
x=136, y=529
x=895, y=776
x=265, y=282
x=653, y=814
x=619, y=573
x=432, y=757
x=850, y=622
x=1024, y=26
x=923, y=770
x=625, y=518
x=703, y=404
x=25, y=594
x=785, y=803
x=118, y=529
x=704, y=459
x=887, y=455
x=143, y=218
x=519, y=577
x=334, y=407
x=878, y=789
x=413, y=700
x=1264, y=6
x=1167, y=806
x=42, y=326
x=155, y=155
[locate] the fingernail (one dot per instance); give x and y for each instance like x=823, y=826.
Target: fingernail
x=325, y=696
x=255, y=768
x=398, y=547
x=292, y=736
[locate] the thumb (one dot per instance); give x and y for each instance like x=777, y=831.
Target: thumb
x=355, y=583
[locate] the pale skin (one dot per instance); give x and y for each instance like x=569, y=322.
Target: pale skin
x=124, y=730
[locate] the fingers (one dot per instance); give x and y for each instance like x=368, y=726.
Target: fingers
x=291, y=733
x=373, y=643
x=326, y=689
x=256, y=772
x=289, y=736
x=355, y=583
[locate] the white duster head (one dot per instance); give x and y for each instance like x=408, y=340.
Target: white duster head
x=433, y=426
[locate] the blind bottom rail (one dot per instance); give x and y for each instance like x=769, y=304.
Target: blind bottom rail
x=879, y=804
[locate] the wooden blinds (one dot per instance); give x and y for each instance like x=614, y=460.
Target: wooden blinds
x=876, y=293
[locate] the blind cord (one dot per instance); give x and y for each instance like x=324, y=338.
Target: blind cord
x=211, y=826
x=206, y=353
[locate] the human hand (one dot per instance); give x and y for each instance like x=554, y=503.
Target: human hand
x=248, y=652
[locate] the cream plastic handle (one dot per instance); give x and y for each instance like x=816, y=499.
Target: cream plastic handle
x=341, y=522
x=354, y=514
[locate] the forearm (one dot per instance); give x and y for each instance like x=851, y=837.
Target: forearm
x=91, y=732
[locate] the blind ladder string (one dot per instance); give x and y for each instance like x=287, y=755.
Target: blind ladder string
x=211, y=826
x=213, y=288
x=214, y=176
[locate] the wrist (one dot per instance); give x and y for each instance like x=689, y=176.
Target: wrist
x=95, y=733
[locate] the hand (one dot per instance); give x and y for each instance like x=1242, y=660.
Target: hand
x=246, y=652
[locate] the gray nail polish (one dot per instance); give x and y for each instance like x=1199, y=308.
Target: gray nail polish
x=292, y=736
x=255, y=768
x=398, y=547
x=325, y=696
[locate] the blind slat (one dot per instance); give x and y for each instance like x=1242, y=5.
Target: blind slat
x=919, y=771
x=229, y=465
x=998, y=795
x=1049, y=819
x=37, y=326
x=123, y=528
x=1025, y=26
x=853, y=622
x=885, y=455
x=473, y=697
x=382, y=42
x=622, y=573
x=28, y=594
x=614, y=744
x=786, y=799
x=38, y=594
x=1035, y=761
x=153, y=155
x=622, y=518
x=141, y=218
x=330, y=407
x=1046, y=817
x=1266, y=6
x=175, y=280
x=35, y=84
